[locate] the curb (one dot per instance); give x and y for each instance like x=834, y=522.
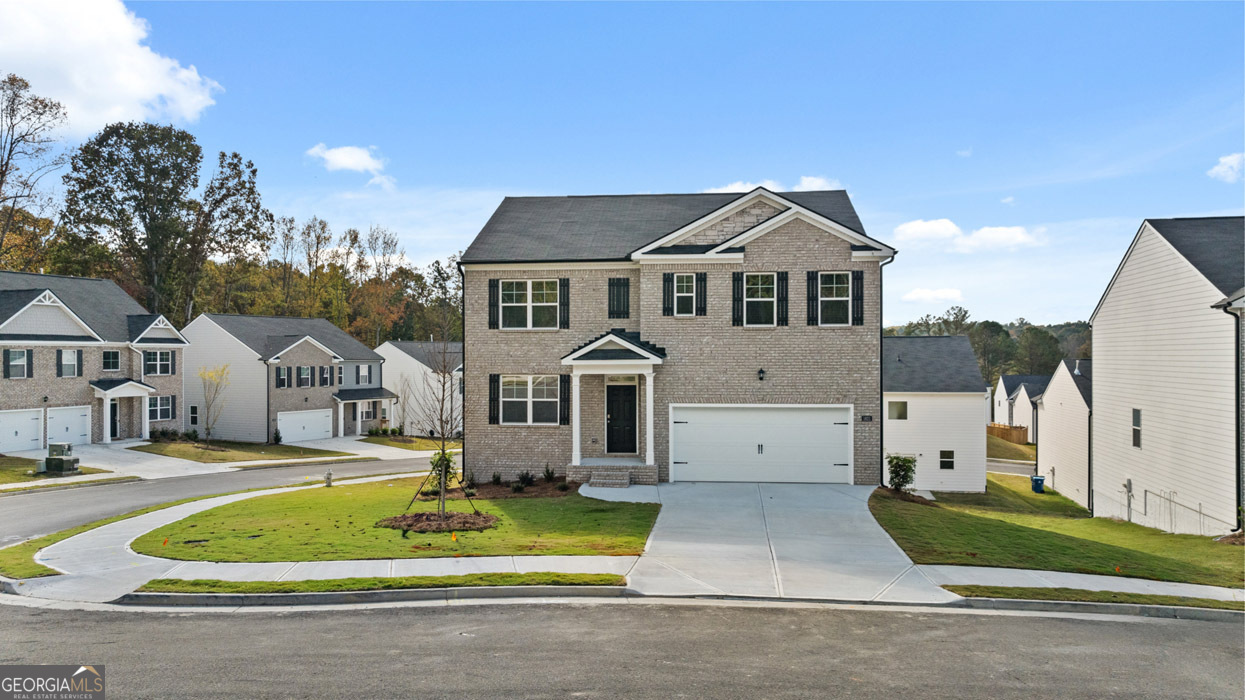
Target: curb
x=1174, y=612
x=66, y=487
x=356, y=597
x=310, y=462
x=1025, y=462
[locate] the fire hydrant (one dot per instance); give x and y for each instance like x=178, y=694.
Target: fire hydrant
x=328, y=478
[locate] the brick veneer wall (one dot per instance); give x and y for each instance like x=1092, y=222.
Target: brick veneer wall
x=295, y=398
x=733, y=225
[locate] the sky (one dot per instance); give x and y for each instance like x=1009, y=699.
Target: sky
x=1009, y=151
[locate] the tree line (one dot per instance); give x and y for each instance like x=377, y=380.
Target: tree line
x=137, y=206
x=1018, y=347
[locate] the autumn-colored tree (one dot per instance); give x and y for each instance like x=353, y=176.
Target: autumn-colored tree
x=28, y=138
x=215, y=380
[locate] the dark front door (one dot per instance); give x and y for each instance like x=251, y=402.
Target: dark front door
x=114, y=425
x=620, y=410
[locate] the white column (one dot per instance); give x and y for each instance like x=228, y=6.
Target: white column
x=107, y=420
x=358, y=418
x=142, y=404
x=575, y=418
x=341, y=419
x=649, y=457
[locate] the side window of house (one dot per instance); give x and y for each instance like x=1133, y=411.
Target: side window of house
x=530, y=400
x=1136, y=427
x=194, y=415
x=17, y=364
x=946, y=459
x=112, y=360
x=834, y=299
x=68, y=363
x=157, y=362
x=340, y=371
x=684, y=294
x=760, y=298
x=304, y=376
x=160, y=408
x=529, y=304
x=897, y=410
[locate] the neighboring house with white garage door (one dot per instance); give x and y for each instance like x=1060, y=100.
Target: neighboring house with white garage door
x=1167, y=431
x=303, y=376
x=1064, y=414
x=934, y=397
x=82, y=362
x=1014, y=395
x=637, y=338
x=414, y=370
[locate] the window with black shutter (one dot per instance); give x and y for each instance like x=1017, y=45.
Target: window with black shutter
x=858, y=297
x=667, y=294
x=492, y=303
x=494, y=398
x=564, y=303
x=782, y=298
x=701, y=293
x=620, y=297
x=564, y=399
x=737, y=298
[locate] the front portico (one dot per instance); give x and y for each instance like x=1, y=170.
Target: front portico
x=619, y=359
x=110, y=393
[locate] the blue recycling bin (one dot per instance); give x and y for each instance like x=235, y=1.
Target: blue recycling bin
x=1037, y=482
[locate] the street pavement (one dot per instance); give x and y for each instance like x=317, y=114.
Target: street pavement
x=633, y=650
x=1009, y=467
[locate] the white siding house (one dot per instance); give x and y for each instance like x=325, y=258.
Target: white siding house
x=411, y=369
x=934, y=397
x=245, y=407
x=1166, y=423
x=1063, y=446
x=1013, y=399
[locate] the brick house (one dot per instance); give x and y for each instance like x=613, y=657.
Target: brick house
x=83, y=362
x=303, y=376
x=637, y=338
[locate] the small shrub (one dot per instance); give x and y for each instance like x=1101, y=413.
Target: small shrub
x=192, y=435
x=469, y=492
x=430, y=491
x=442, y=462
x=401, y=429
x=526, y=478
x=371, y=432
x=902, y=471
x=563, y=486
x=517, y=487
x=496, y=479
x=471, y=480
x=276, y=436
x=549, y=475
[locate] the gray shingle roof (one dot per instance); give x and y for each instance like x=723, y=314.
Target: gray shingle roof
x=1214, y=245
x=1083, y=380
x=942, y=364
x=630, y=336
x=1012, y=382
x=138, y=323
x=428, y=353
x=106, y=384
x=364, y=394
x=101, y=304
x=269, y=335
x=611, y=227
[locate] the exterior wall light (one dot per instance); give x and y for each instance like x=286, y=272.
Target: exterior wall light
x=760, y=375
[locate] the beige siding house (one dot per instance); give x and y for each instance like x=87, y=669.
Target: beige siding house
x=1063, y=446
x=702, y=337
x=414, y=371
x=1167, y=391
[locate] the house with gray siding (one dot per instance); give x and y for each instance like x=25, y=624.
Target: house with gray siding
x=637, y=338
x=83, y=362
x=305, y=377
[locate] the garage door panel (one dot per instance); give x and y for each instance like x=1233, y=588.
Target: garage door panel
x=70, y=424
x=761, y=443
x=21, y=430
x=297, y=426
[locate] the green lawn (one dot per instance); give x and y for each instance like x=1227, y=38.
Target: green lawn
x=998, y=448
x=13, y=470
x=419, y=443
x=338, y=523
x=1078, y=594
x=233, y=451
x=542, y=578
x=1009, y=526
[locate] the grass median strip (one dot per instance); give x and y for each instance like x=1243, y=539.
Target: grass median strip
x=1081, y=595
x=413, y=443
x=1009, y=526
x=16, y=470
x=221, y=451
x=342, y=585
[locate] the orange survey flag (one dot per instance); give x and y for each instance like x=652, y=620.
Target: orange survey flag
x=454, y=536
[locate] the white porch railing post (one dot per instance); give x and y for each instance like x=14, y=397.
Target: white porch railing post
x=575, y=418
x=649, y=457
x=108, y=420
x=142, y=406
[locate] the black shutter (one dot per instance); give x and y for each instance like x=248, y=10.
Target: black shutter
x=702, y=283
x=6, y=364
x=276, y=380
x=79, y=369
x=357, y=374
x=492, y=303
x=564, y=399
x=564, y=302
x=782, y=298
x=620, y=297
x=737, y=298
x=60, y=365
x=147, y=364
x=814, y=293
x=333, y=374
x=30, y=363
x=667, y=294
x=172, y=407
x=172, y=362
x=494, y=398
x=858, y=297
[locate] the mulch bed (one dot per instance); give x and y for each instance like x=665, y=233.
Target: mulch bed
x=487, y=491
x=906, y=496
x=432, y=522
x=1237, y=538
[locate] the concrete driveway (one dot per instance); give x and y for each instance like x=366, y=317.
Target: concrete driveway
x=786, y=540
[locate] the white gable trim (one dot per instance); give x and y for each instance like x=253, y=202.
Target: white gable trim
x=305, y=339
x=47, y=298
x=649, y=358
x=160, y=322
x=734, y=206
x=1145, y=225
x=812, y=217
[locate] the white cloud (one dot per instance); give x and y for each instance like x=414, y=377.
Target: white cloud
x=931, y=230
x=741, y=186
x=966, y=153
x=812, y=183
x=355, y=159
x=930, y=296
x=90, y=55
x=1229, y=168
x=1008, y=200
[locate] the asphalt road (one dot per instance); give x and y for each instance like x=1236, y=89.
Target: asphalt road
x=1021, y=468
x=631, y=650
x=37, y=513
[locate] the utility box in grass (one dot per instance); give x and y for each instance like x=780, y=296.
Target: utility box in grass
x=60, y=449
x=62, y=465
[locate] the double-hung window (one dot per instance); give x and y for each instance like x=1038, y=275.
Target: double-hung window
x=194, y=415
x=157, y=362
x=18, y=362
x=340, y=371
x=760, y=299
x=529, y=400
x=529, y=304
x=946, y=459
x=160, y=408
x=834, y=299
x=365, y=374
x=369, y=410
x=684, y=294
x=304, y=376
x=1136, y=427
x=112, y=360
x=69, y=363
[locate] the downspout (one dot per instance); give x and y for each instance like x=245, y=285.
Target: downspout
x=1236, y=362
x=462, y=315
x=1090, y=463
x=881, y=369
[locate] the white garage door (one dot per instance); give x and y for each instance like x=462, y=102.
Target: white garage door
x=21, y=430
x=297, y=426
x=70, y=424
x=801, y=444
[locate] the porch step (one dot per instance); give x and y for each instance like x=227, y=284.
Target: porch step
x=610, y=478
